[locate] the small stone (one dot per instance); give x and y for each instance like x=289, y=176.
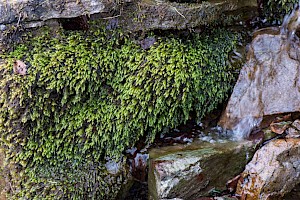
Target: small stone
x=293, y=133
x=2, y=27
x=147, y=42
x=296, y=124
x=20, y=67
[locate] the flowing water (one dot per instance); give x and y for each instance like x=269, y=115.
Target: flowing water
x=268, y=82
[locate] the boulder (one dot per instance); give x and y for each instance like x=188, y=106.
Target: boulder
x=269, y=82
x=273, y=172
x=190, y=172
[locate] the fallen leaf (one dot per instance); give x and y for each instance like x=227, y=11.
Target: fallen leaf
x=279, y=127
x=20, y=67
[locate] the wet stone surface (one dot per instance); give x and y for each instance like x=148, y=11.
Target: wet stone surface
x=274, y=171
x=282, y=174
x=192, y=171
x=269, y=82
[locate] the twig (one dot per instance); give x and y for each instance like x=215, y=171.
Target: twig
x=111, y=17
x=178, y=12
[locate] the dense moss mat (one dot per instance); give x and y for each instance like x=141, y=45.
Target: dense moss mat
x=88, y=95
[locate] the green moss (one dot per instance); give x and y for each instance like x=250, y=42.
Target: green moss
x=93, y=94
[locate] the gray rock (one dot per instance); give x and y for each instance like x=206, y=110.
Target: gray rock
x=41, y=10
x=2, y=27
x=133, y=15
x=296, y=124
x=151, y=14
x=189, y=172
x=273, y=171
x=293, y=133
x=269, y=83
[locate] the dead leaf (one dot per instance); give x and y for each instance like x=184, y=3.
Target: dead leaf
x=287, y=117
x=20, y=67
x=279, y=127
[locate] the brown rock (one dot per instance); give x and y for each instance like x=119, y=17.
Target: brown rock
x=269, y=83
x=273, y=171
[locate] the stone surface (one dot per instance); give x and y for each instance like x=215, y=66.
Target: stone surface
x=269, y=82
x=296, y=124
x=138, y=15
x=41, y=10
x=151, y=14
x=189, y=172
x=146, y=14
x=273, y=171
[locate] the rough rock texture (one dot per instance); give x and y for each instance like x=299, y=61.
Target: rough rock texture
x=269, y=82
x=41, y=10
x=273, y=171
x=189, y=172
x=131, y=15
x=149, y=13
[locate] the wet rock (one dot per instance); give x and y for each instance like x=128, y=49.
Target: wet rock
x=273, y=171
x=191, y=171
x=269, y=83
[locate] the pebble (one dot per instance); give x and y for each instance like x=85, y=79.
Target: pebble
x=296, y=124
x=2, y=27
x=293, y=133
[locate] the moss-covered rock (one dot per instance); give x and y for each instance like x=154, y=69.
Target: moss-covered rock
x=88, y=95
